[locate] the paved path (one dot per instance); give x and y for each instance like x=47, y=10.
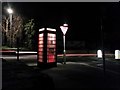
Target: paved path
x=77, y=75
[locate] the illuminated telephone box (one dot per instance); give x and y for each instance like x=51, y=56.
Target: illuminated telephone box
x=47, y=48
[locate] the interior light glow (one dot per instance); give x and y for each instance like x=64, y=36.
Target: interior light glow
x=41, y=35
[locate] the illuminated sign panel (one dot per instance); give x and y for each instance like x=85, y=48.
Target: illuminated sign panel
x=99, y=54
x=117, y=54
x=42, y=29
x=50, y=29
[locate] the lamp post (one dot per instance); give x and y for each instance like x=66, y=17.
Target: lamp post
x=10, y=11
x=64, y=29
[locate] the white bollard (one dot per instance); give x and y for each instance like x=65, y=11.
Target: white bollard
x=117, y=54
x=99, y=53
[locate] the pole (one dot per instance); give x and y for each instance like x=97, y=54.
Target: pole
x=17, y=49
x=10, y=28
x=64, y=50
x=103, y=52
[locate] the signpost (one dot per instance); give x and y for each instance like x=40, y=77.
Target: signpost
x=64, y=29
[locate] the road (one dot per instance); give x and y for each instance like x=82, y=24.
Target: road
x=89, y=60
x=30, y=60
x=80, y=71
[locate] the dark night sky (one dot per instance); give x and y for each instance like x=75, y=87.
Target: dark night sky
x=83, y=18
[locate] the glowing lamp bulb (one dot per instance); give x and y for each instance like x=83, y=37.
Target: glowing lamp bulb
x=10, y=11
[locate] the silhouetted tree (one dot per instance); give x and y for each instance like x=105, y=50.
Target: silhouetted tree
x=29, y=32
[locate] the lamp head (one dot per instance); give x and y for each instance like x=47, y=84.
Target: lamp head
x=9, y=10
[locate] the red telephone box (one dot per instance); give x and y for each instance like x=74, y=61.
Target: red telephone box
x=47, y=48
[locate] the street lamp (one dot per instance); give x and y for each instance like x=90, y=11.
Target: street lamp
x=64, y=29
x=10, y=11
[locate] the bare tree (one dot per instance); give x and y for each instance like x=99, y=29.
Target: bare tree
x=15, y=32
x=5, y=30
x=17, y=27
